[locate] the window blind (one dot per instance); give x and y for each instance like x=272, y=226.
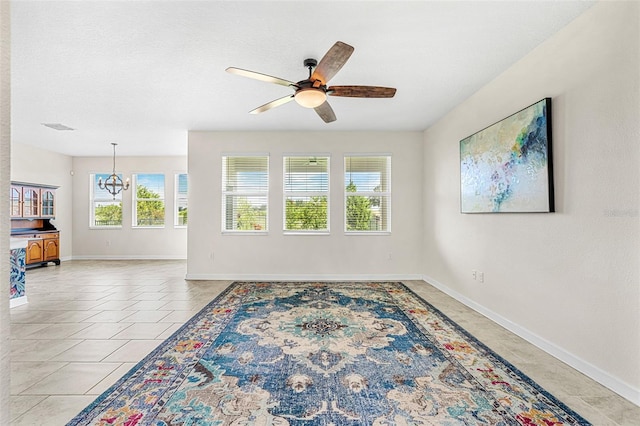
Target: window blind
x=306, y=189
x=245, y=193
x=367, y=186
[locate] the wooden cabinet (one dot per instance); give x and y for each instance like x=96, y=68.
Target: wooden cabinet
x=51, y=250
x=42, y=248
x=32, y=201
x=32, y=206
x=35, y=251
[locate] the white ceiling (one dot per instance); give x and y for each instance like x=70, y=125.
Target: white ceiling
x=144, y=73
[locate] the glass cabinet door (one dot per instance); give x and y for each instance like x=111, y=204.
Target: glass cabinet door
x=16, y=201
x=31, y=202
x=48, y=203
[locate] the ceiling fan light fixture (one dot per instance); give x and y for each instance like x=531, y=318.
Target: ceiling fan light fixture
x=310, y=97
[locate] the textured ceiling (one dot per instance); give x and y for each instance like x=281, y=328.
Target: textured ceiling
x=144, y=73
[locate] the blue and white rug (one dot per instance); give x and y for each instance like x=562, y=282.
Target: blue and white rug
x=290, y=353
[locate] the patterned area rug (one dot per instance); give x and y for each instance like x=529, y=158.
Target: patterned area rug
x=324, y=354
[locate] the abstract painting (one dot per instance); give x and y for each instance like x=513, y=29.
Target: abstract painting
x=506, y=167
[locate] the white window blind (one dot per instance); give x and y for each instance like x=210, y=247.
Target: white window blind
x=148, y=200
x=180, y=200
x=245, y=193
x=306, y=189
x=106, y=210
x=367, y=186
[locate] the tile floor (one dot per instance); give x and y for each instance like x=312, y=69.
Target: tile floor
x=88, y=322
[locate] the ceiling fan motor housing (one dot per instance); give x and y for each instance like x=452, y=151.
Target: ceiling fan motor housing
x=310, y=62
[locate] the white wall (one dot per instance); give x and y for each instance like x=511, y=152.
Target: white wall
x=127, y=242
x=276, y=256
x=568, y=281
x=34, y=165
x=5, y=166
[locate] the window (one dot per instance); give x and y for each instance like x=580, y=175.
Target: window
x=306, y=193
x=367, y=193
x=245, y=193
x=106, y=210
x=148, y=201
x=180, y=200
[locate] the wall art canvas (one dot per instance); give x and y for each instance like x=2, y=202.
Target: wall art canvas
x=506, y=167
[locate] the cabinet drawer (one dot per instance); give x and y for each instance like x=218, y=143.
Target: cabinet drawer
x=49, y=236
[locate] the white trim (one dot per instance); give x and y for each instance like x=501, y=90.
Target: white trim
x=298, y=277
x=623, y=389
x=18, y=301
x=176, y=197
x=129, y=257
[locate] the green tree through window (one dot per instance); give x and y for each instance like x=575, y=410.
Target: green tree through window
x=306, y=214
x=149, y=207
x=358, y=211
x=108, y=214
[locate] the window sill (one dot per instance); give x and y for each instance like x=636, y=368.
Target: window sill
x=368, y=233
x=306, y=233
x=245, y=232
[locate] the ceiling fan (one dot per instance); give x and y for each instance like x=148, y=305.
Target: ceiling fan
x=312, y=92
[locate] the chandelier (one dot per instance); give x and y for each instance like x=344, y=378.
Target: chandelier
x=113, y=183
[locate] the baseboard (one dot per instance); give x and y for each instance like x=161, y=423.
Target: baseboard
x=616, y=385
x=18, y=301
x=128, y=257
x=302, y=277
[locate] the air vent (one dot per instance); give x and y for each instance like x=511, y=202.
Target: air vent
x=57, y=126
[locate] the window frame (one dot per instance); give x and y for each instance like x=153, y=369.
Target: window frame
x=258, y=193
x=177, y=197
x=93, y=182
x=286, y=194
x=135, y=199
x=386, y=194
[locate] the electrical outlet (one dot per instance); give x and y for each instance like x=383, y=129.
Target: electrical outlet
x=481, y=277
x=474, y=274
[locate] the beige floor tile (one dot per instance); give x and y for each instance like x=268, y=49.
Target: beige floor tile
x=111, y=379
x=169, y=331
x=100, y=330
x=21, y=404
x=185, y=305
x=54, y=410
x=143, y=330
x=148, y=305
x=57, y=331
x=26, y=374
x=146, y=316
x=109, y=316
x=179, y=316
x=133, y=351
x=19, y=331
x=72, y=379
x=90, y=351
x=39, y=350
x=149, y=296
x=115, y=305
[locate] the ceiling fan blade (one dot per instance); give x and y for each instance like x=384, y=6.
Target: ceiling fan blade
x=259, y=76
x=332, y=61
x=272, y=104
x=326, y=112
x=362, y=91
